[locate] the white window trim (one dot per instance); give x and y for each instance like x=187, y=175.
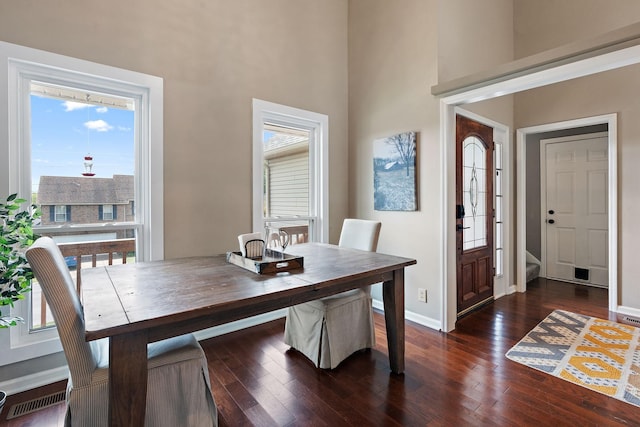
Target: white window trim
x=318, y=124
x=107, y=209
x=18, y=65
x=59, y=214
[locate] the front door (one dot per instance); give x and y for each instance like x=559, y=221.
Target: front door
x=474, y=213
x=576, y=211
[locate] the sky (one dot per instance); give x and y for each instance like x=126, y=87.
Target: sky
x=64, y=132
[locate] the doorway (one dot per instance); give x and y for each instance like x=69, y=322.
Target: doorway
x=573, y=200
x=526, y=150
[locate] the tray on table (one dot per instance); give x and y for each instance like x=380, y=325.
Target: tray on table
x=271, y=262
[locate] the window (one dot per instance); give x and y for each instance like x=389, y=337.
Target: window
x=290, y=186
x=61, y=213
x=106, y=212
x=85, y=88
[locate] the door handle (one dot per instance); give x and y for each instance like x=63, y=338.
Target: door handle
x=459, y=227
x=551, y=212
x=550, y=221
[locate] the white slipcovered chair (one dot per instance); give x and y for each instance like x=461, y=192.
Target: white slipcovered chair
x=178, y=390
x=330, y=329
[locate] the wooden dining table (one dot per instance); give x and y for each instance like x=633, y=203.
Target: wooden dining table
x=135, y=304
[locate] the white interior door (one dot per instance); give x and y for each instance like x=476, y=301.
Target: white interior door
x=575, y=208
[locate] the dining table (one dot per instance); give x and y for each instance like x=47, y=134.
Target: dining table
x=138, y=303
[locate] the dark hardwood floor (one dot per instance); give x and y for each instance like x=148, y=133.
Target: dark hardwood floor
x=456, y=379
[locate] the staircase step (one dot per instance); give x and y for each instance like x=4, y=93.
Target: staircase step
x=533, y=271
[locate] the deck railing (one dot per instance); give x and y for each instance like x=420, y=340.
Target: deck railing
x=102, y=252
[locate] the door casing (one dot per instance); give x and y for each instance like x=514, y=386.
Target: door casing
x=611, y=120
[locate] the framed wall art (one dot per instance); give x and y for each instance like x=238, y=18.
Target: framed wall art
x=394, y=173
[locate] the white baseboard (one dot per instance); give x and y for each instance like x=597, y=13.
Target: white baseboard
x=629, y=311
x=414, y=317
x=38, y=379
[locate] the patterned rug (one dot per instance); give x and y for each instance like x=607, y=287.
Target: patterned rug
x=598, y=354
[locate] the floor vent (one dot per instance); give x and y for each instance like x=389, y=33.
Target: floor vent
x=36, y=404
x=632, y=320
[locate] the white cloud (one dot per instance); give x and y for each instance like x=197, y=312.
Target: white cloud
x=98, y=125
x=102, y=109
x=71, y=105
x=124, y=128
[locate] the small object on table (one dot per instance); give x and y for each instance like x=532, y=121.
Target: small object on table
x=254, y=248
x=244, y=238
x=271, y=262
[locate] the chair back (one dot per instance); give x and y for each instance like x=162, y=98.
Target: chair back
x=50, y=269
x=360, y=234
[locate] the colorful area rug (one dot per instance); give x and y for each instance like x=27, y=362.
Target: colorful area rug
x=597, y=354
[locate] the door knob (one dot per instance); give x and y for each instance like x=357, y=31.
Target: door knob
x=459, y=227
x=550, y=221
x=551, y=212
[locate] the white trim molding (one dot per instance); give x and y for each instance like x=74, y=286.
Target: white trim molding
x=318, y=126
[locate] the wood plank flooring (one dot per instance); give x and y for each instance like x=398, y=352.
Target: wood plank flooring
x=456, y=379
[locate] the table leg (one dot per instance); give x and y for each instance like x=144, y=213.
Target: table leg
x=128, y=379
x=393, y=297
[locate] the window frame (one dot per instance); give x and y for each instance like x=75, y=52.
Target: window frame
x=58, y=214
x=106, y=212
x=20, y=65
x=318, y=126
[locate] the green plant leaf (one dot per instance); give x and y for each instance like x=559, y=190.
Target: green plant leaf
x=16, y=234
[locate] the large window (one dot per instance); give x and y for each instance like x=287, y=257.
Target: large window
x=84, y=144
x=290, y=172
x=82, y=154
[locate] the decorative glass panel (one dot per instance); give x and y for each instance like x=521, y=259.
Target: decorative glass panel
x=499, y=214
x=474, y=191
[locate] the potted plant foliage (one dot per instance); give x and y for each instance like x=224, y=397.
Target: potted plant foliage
x=16, y=235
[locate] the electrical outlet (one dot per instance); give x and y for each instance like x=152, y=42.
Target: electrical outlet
x=422, y=295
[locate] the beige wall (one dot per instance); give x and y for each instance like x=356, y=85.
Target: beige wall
x=214, y=57
x=473, y=36
x=544, y=24
x=392, y=64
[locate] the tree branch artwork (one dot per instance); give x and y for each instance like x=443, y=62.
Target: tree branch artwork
x=394, y=173
x=405, y=146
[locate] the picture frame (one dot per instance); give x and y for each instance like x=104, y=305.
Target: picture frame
x=395, y=172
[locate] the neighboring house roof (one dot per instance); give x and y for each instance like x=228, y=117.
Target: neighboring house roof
x=71, y=190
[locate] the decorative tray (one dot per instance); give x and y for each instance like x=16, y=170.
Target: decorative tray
x=271, y=262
